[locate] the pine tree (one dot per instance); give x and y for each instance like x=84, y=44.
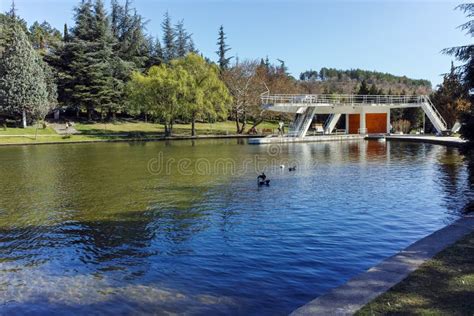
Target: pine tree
x=364, y=89
x=223, y=48
x=65, y=33
x=191, y=47
x=89, y=63
x=23, y=86
x=169, y=47
x=373, y=89
x=182, y=40
x=156, y=52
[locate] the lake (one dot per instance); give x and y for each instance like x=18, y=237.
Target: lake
x=182, y=227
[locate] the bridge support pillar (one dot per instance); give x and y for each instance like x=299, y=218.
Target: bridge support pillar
x=363, y=128
x=388, y=121
x=347, y=123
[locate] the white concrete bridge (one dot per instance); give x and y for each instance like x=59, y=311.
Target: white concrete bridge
x=364, y=114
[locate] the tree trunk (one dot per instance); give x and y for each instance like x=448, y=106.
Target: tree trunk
x=170, y=129
x=89, y=114
x=244, y=123
x=237, y=122
x=36, y=131
x=23, y=118
x=146, y=118
x=255, y=124
x=193, y=125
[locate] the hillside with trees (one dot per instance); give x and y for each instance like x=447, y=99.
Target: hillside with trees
x=330, y=80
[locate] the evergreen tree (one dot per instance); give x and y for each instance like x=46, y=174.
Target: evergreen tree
x=23, y=85
x=89, y=62
x=44, y=37
x=282, y=69
x=127, y=28
x=65, y=33
x=182, y=40
x=223, y=48
x=191, y=47
x=156, y=52
x=373, y=89
x=465, y=54
x=363, y=89
x=169, y=39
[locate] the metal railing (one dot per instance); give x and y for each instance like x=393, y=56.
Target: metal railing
x=341, y=99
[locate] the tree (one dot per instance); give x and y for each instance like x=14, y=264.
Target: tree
x=169, y=39
x=160, y=93
x=242, y=82
x=184, y=43
x=127, y=28
x=208, y=96
x=23, y=84
x=363, y=89
x=89, y=64
x=44, y=37
x=373, y=89
x=246, y=81
x=309, y=75
x=451, y=98
x=223, y=48
x=465, y=54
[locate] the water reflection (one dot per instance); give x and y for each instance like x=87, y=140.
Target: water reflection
x=88, y=228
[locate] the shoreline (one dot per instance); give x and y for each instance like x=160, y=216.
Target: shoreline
x=253, y=139
x=360, y=290
x=125, y=140
x=430, y=139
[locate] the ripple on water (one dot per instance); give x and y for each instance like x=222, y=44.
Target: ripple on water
x=89, y=230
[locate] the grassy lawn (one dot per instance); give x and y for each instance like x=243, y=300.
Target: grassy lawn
x=123, y=127
x=118, y=130
x=30, y=130
x=441, y=286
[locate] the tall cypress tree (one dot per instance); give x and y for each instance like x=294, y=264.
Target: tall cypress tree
x=223, y=48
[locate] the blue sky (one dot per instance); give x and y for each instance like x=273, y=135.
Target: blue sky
x=399, y=37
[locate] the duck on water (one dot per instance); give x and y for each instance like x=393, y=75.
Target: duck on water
x=262, y=179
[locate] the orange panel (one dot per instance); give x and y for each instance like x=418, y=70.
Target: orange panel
x=376, y=123
x=354, y=123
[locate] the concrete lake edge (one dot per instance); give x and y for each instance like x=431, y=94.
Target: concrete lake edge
x=127, y=140
x=363, y=288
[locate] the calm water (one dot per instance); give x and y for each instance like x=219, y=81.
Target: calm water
x=146, y=228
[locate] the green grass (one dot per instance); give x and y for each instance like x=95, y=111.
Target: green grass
x=441, y=286
x=30, y=130
x=123, y=127
x=121, y=130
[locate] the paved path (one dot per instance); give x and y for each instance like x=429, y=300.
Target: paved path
x=319, y=138
x=61, y=129
x=352, y=296
x=442, y=140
